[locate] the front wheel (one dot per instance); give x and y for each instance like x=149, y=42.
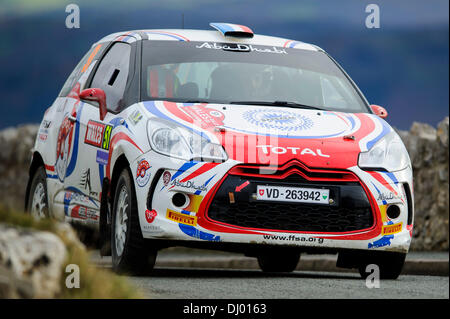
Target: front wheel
x=38, y=201
x=130, y=252
x=278, y=262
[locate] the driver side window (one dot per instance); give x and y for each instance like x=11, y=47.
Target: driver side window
x=112, y=74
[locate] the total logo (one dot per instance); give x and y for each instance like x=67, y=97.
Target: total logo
x=150, y=215
x=268, y=149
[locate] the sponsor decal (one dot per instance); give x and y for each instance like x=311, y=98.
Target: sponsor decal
x=150, y=215
x=384, y=241
x=63, y=147
x=43, y=137
x=83, y=212
x=98, y=134
x=410, y=229
x=43, y=130
x=86, y=180
x=135, y=117
x=203, y=116
x=383, y=214
x=78, y=212
x=392, y=229
x=90, y=58
x=119, y=121
x=181, y=218
x=102, y=157
x=268, y=149
x=46, y=124
x=92, y=214
x=190, y=185
x=76, y=197
x=166, y=178
x=240, y=47
x=294, y=238
x=152, y=229
x=280, y=120
x=61, y=106
x=195, y=233
x=143, y=173
x=194, y=203
x=387, y=197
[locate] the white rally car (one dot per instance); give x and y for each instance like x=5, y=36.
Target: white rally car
x=223, y=139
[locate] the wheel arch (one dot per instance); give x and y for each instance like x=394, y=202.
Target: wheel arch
x=108, y=187
x=36, y=162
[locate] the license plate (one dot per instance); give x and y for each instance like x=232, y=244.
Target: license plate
x=293, y=194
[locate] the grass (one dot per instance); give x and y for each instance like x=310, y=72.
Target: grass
x=95, y=283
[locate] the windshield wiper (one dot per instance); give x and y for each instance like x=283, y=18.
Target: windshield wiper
x=278, y=103
x=178, y=100
x=184, y=100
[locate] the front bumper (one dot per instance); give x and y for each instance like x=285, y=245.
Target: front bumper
x=214, y=211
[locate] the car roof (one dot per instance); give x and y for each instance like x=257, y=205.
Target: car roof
x=205, y=36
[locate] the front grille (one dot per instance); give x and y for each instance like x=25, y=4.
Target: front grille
x=293, y=168
x=292, y=217
x=351, y=210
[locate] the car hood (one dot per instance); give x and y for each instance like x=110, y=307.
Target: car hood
x=275, y=135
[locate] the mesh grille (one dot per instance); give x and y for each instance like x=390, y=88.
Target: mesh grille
x=292, y=217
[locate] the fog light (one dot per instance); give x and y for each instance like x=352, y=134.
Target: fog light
x=393, y=211
x=179, y=199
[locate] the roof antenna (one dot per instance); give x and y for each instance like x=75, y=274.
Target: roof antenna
x=182, y=21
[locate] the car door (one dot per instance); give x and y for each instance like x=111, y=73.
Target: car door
x=95, y=133
x=63, y=144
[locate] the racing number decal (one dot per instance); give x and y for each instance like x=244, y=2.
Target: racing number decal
x=98, y=134
x=107, y=137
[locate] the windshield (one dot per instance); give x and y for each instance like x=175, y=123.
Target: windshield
x=239, y=73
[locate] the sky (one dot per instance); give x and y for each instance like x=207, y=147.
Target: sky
x=403, y=65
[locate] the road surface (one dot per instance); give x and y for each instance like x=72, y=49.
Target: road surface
x=197, y=281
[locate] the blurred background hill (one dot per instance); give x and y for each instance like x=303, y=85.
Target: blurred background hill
x=402, y=66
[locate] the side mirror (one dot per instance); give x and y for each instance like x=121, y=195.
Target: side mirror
x=96, y=95
x=379, y=110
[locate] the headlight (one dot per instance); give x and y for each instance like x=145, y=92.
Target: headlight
x=389, y=154
x=173, y=140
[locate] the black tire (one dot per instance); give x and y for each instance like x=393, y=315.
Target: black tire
x=389, y=263
x=278, y=261
x=39, y=180
x=136, y=257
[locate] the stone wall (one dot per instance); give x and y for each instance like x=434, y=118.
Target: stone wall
x=31, y=263
x=427, y=146
x=15, y=157
x=428, y=150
